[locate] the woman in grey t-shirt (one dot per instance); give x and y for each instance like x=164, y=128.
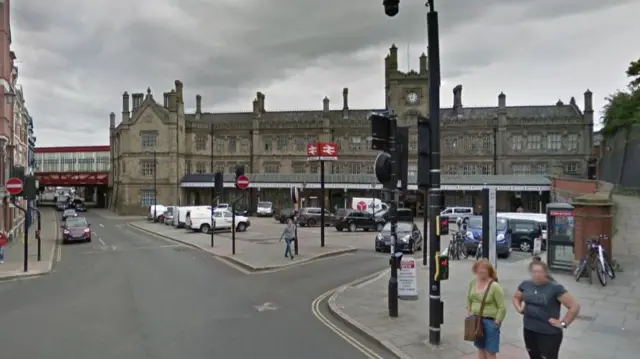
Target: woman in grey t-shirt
x=539, y=300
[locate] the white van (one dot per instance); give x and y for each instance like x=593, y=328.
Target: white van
x=200, y=220
x=155, y=211
x=371, y=205
x=180, y=218
x=538, y=217
x=454, y=213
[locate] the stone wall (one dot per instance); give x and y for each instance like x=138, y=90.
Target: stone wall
x=620, y=158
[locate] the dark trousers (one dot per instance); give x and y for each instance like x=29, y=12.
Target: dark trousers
x=542, y=346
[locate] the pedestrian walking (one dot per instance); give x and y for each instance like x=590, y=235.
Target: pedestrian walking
x=486, y=310
x=289, y=235
x=3, y=243
x=539, y=300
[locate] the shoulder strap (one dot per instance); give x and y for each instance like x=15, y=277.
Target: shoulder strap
x=484, y=298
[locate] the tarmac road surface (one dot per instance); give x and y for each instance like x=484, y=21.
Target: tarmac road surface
x=130, y=295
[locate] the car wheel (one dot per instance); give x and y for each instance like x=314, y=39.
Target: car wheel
x=205, y=228
x=311, y=223
x=525, y=246
x=88, y=240
x=241, y=227
x=352, y=227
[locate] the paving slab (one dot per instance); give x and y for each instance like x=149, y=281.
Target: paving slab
x=13, y=266
x=256, y=251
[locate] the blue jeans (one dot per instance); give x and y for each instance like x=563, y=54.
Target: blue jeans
x=1, y=253
x=490, y=340
x=287, y=249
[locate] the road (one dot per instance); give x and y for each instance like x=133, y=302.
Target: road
x=130, y=295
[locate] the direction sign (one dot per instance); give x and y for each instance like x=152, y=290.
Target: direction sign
x=14, y=186
x=242, y=182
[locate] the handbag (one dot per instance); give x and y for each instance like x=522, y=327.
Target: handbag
x=473, y=323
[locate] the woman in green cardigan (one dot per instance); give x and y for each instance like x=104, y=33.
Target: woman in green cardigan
x=494, y=310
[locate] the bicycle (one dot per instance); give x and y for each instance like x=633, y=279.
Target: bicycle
x=457, y=249
x=479, y=250
x=595, y=260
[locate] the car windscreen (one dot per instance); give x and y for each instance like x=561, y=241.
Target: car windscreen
x=402, y=228
x=264, y=204
x=76, y=222
x=476, y=223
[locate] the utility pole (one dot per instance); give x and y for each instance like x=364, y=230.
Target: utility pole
x=155, y=186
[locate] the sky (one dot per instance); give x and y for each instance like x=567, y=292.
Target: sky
x=77, y=58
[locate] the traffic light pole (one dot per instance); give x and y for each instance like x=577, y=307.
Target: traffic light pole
x=38, y=233
x=233, y=223
x=25, y=262
x=436, y=306
x=322, y=205
x=155, y=186
x=393, y=215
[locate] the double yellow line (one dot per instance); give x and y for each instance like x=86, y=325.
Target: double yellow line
x=315, y=309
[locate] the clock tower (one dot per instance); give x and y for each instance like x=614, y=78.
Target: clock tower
x=407, y=94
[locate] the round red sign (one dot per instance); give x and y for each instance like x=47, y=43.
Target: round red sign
x=14, y=186
x=242, y=182
x=361, y=206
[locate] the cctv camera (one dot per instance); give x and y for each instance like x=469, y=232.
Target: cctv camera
x=391, y=7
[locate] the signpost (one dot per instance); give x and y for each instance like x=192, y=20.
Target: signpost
x=322, y=151
x=408, y=279
x=14, y=186
x=242, y=182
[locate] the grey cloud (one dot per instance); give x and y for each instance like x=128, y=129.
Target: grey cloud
x=97, y=49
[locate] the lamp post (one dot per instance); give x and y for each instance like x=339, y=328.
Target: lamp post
x=213, y=226
x=155, y=186
x=429, y=178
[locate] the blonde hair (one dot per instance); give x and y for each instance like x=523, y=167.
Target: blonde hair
x=485, y=263
x=540, y=264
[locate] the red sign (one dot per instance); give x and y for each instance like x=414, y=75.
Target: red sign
x=242, y=182
x=14, y=186
x=72, y=178
x=561, y=213
x=322, y=151
x=361, y=206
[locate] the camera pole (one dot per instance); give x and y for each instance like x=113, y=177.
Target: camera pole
x=393, y=215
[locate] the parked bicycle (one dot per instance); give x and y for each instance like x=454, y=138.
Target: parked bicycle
x=479, y=250
x=595, y=260
x=457, y=249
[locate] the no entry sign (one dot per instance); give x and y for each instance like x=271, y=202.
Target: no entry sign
x=14, y=186
x=242, y=182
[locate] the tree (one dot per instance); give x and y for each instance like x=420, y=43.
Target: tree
x=623, y=107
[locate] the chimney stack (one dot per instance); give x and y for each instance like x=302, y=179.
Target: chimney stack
x=179, y=87
x=125, y=102
x=198, y=104
x=112, y=120
x=393, y=58
x=345, y=103
x=588, y=101
x=166, y=99
x=260, y=97
x=256, y=108
x=457, y=97
x=502, y=101
x=423, y=64
x=325, y=104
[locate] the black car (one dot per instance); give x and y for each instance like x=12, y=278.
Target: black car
x=409, y=238
x=404, y=215
x=79, y=206
x=69, y=213
x=352, y=220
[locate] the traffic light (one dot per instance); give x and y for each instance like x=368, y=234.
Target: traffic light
x=444, y=226
x=383, y=130
x=391, y=7
x=424, y=152
x=443, y=267
x=219, y=183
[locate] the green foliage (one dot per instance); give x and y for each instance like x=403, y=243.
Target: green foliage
x=623, y=107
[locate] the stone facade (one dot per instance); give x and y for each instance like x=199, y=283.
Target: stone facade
x=522, y=140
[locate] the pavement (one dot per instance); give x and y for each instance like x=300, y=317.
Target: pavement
x=129, y=294
x=608, y=324
x=260, y=248
x=13, y=266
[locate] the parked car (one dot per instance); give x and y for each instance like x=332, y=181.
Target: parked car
x=354, y=220
x=310, y=217
x=155, y=211
x=167, y=216
x=199, y=220
x=68, y=213
x=265, y=209
x=454, y=213
x=522, y=232
x=76, y=229
x=474, y=234
x=282, y=215
x=61, y=206
x=404, y=215
x=409, y=238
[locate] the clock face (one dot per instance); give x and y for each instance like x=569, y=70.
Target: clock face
x=412, y=98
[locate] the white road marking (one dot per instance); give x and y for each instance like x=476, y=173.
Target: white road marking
x=101, y=225
x=59, y=255
x=268, y=306
x=101, y=241
x=110, y=249
x=315, y=309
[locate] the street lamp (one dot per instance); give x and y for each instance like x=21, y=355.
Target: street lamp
x=429, y=163
x=10, y=96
